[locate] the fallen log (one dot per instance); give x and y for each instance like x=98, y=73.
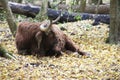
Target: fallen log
x=102, y=9
x=31, y=11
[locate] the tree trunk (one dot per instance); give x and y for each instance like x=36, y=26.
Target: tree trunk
x=96, y=2
x=89, y=2
x=76, y=2
x=43, y=13
x=82, y=5
x=10, y=18
x=5, y=53
x=69, y=3
x=114, y=34
x=97, y=6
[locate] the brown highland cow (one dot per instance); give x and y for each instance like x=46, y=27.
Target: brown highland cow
x=45, y=39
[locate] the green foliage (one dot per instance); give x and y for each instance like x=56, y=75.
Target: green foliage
x=77, y=17
x=71, y=3
x=2, y=15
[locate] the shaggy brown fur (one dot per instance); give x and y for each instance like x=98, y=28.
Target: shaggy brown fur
x=56, y=42
x=26, y=38
x=52, y=43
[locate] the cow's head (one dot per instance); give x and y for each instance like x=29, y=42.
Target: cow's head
x=46, y=25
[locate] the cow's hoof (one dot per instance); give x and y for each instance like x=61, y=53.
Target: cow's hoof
x=87, y=54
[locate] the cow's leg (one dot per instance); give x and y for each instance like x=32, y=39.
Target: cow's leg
x=39, y=39
x=40, y=49
x=70, y=45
